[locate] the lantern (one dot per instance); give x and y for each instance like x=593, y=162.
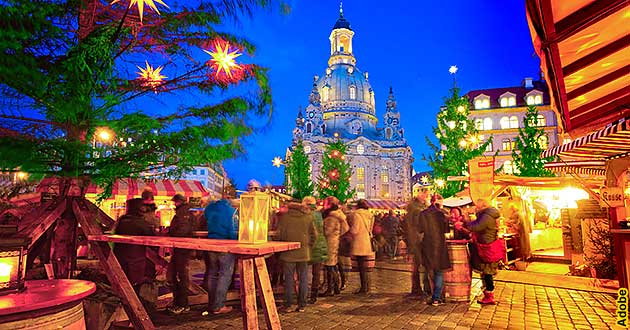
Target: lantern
x=253, y=217
x=12, y=260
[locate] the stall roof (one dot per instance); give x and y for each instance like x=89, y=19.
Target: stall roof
x=134, y=187
x=384, y=204
x=545, y=182
x=584, y=50
x=582, y=167
x=610, y=142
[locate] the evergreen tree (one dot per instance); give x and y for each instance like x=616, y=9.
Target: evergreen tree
x=334, y=179
x=458, y=142
x=71, y=68
x=529, y=147
x=298, y=173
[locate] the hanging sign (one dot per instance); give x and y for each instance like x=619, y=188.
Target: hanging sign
x=481, y=180
x=611, y=197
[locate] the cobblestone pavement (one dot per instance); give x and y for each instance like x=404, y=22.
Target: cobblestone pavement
x=521, y=306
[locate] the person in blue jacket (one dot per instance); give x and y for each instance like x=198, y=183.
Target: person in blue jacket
x=220, y=216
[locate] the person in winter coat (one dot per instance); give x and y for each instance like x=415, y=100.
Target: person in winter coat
x=219, y=216
x=319, y=253
x=361, y=249
x=433, y=225
x=132, y=257
x=335, y=225
x=148, y=203
x=485, y=232
x=181, y=226
x=296, y=225
x=415, y=206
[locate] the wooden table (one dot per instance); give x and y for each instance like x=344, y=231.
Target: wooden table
x=254, y=276
x=46, y=304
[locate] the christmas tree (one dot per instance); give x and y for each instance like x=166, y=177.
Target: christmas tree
x=530, y=144
x=458, y=142
x=82, y=86
x=298, y=173
x=334, y=179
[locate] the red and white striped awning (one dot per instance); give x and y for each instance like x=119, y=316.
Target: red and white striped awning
x=384, y=204
x=610, y=142
x=134, y=187
x=583, y=167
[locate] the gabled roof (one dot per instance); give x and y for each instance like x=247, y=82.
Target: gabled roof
x=519, y=91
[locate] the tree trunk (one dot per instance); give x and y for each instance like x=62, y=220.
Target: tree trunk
x=63, y=250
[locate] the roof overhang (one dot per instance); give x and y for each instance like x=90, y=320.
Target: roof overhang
x=584, y=47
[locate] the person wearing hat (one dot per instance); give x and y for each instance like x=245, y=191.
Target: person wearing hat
x=433, y=225
x=148, y=210
x=181, y=226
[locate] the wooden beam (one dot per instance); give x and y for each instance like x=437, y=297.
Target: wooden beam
x=117, y=278
x=612, y=76
x=105, y=220
x=248, y=294
x=597, y=55
x=618, y=109
x=265, y=292
x=41, y=224
x=609, y=98
x=587, y=16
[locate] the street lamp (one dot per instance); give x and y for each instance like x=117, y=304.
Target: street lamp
x=104, y=135
x=12, y=260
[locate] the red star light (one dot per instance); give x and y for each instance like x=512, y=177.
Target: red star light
x=223, y=60
x=151, y=77
x=141, y=4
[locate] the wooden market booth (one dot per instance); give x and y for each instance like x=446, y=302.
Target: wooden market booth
x=585, y=55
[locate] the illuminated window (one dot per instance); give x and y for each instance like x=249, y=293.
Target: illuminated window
x=482, y=102
x=360, y=190
x=538, y=99
x=540, y=121
x=530, y=100
x=487, y=124
x=353, y=93
x=505, y=122
x=504, y=102
x=489, y=148
x=478, y=104
x=486, y=103
x=511, y=101
x=360, y=149
x=384, y=177
x=360, y=173
x=479, y=124
x=566, y=140
x=543, y=141
x=506, y=145
x=534, y=98
x=513, y=122
x=326, y=94
x=385, y=190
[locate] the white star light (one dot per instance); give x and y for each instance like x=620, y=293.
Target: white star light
x=453, y=69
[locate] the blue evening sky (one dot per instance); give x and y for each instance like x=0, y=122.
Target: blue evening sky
x=407, y=44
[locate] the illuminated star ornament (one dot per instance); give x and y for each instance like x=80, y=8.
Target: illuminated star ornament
x=141, y=4
x=223, y=60
x=277, y=161
x=151, y=77
x=453, y=69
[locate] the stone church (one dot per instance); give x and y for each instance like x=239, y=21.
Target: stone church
x=342, y=106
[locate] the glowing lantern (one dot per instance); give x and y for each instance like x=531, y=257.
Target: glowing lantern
x=253, y=217
x=12, y=260
x=150, y=77
x=222, y=59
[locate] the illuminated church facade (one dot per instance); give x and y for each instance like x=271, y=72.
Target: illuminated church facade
x=342, y=106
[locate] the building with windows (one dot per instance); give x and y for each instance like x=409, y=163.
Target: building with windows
x=499, y=112
x=212, y=177
x=342, y=106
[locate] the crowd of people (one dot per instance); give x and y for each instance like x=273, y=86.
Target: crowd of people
x=335, y=238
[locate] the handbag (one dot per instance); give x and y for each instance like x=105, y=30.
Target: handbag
x=372, y=239
x=492, y=252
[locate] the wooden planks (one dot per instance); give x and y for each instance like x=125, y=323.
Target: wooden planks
x=117, y=278
x=38, y=223
x=265, y=292
x=202, y=244
x=248, y=294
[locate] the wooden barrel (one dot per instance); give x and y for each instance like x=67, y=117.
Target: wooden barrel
x=371, y=262
x=457, y=281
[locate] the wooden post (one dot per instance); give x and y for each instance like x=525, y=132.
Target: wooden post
x=248, y=294
x=136, y=312
x=265, y=292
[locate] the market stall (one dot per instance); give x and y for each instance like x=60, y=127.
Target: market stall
x=583, y=47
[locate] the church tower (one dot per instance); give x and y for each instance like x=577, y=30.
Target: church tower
x=341, y=106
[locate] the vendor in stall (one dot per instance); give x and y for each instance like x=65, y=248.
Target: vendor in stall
x=516, y=224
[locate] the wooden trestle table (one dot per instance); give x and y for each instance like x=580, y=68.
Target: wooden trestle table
x=254, y=276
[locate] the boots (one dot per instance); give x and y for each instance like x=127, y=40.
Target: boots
x=314, y=293
x=330, y=284
x=362, y=279
x=488, y=298
x=336, y=277
x=342, y=276
x=367, y=282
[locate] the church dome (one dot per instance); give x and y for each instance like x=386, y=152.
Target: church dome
x=345, y=88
